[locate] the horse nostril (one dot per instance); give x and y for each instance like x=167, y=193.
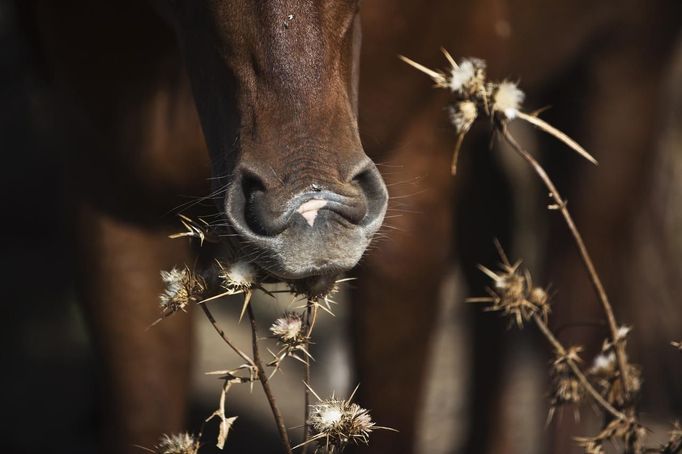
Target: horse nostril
x=252, y=187
x=256, y=214
x=374, y=190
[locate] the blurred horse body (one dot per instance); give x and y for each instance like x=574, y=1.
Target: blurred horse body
x=137, y=144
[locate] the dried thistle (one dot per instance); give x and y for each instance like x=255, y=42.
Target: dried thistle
x=591, y=446
x=607, y=374
x=507, y=99
x=513, y=293
x=629, y=432
x=240, y=277
x=288, y=329
x=468, y=78
x=473, y=93
x=462, y=116
x=337, y=423
x=225, y=422
x=291, y=333
x=604, y=365
x=674, y=444
x=565, y=386
x=182, y=288
x=193, y=229
x=183, y=443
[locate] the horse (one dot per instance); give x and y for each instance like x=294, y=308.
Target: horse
x=268, y=101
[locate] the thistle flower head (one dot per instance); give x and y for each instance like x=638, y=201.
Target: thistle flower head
x=605, y=369
x=591, y=446
x=462, y=115
x=239, y=277
x=183, y=443
x=336, y=423
x=604, y=364
x=622, y=333
x=513, y=293
x=613, y=389
x=289, y=329
x=566, y=388
x=468, y=77
x=182, y=287
x=628, y=431
x=507, y=99
x=674, y=443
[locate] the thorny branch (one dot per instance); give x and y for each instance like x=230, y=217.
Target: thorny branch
x=584, y=254
x=309, y=323
x=561, y=351
x=221, y=333
x=514, y=293
x=263, y=378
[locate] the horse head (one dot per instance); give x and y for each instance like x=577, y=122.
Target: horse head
x=275, y=83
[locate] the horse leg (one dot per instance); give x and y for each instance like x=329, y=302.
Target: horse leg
x=144, y=373
x=396, y=297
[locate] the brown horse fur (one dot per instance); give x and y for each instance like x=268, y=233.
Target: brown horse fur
x=275, y=85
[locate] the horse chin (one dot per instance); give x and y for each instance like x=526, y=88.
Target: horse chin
x=315, y=286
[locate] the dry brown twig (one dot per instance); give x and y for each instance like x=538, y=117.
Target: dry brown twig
x=513, y=293
x=293, y=331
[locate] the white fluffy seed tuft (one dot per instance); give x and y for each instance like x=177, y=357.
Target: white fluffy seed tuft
x=462, y=116
x=461, y=75
x=507, y=99
x=238, y=277
x=288, y=328
x=337, y=423
x=604, y=363
x=183, y=443
x=181, y=288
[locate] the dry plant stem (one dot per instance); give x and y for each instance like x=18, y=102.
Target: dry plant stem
x=584, y=254
x=221, y=333
x=263, y=378
x=306, y=375
x=576, y=370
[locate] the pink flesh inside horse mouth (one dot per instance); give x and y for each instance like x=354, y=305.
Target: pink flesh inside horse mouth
x=309, y=210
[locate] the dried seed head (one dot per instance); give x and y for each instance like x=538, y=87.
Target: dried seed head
x=677, y=345
x=183, y=443
x=538, y=296
x=461, y=75
x=591, y=446
x=566, y=388
x=289, y=329
x=604, y=365
x=337, y=423
x=467, y=78
x=629, y=432
x=238, y=278
x=674, y=444
x=507, y=99
x=514, y=294
x=607, y=373
x=623, y=332
x=183, y=287
x=613, y=388
x=462, y=115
